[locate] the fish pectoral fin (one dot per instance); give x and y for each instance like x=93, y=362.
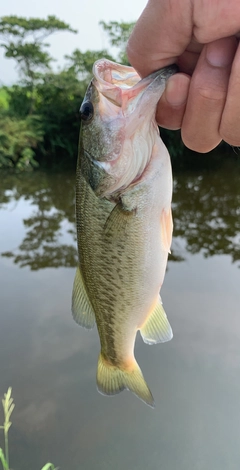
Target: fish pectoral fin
x=82, y=310
x=117, y=220
x=156, y=328
x=112, y=380
x=166, y=229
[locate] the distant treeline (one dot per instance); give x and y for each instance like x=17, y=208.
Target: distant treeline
x=39, y=116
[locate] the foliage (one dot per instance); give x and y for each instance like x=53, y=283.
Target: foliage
x=8, y=407
x=118, y=34
x=39, y=116
x=22, y=40
x=18, y=141
x=58, y=100
x=4, y=99
x=49, y=466
x=82, y=62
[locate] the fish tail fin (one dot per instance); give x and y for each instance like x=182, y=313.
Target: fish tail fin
x=112, y=380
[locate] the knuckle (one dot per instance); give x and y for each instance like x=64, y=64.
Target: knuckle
x=211, y=93
x=231, y=138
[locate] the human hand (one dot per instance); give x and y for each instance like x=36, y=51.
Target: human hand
x=202, y=38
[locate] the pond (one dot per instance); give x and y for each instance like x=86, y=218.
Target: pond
x=50, y=361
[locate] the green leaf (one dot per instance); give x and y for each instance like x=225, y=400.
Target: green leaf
x=3, y=460
x=49, y=466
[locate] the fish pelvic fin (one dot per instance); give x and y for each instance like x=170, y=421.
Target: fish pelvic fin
x=156, y=328
x=112, y=380
x=82, y=310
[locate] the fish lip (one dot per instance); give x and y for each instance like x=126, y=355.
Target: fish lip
x=151, y=82
x=150, y=89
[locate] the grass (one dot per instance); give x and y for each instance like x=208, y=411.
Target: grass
x=8, y=407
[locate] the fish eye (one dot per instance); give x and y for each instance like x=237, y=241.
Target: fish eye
x=87, y=111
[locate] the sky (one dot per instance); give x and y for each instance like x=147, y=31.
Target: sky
x=83, y=15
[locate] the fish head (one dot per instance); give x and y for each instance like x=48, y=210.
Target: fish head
x=103, y=123
x=118, y=115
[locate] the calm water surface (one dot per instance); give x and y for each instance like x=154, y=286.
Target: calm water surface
x=51, y=362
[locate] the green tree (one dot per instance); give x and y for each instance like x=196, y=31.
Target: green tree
x=118, y=34
x=23, y=40
x=59, y=97
x=82, y=62
x=4, y=99
x=18, y=141
x=28, y=119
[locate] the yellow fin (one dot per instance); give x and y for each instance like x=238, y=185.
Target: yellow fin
x=156, y=328
x=82, y=310
x=112, y=380
x=166, y=229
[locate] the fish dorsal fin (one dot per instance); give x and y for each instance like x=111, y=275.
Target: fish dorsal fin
x=156, y=328
x=82, y=310
x=166, y=229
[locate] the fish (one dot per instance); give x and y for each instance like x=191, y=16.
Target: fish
x=123, y=220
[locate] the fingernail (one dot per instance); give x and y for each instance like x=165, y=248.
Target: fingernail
x=177, y=90
x=220, y=53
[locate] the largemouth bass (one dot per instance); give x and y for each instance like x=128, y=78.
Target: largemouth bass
x=124, y=221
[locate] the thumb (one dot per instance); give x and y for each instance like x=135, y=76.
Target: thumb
x=161, y=35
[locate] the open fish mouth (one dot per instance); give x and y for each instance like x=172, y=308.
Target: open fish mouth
x=123, y=86
x=107, y=72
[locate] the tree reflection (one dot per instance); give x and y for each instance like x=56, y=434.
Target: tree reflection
x=206, y=209
x=52, y=199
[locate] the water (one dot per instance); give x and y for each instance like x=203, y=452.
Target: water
x=51, y=362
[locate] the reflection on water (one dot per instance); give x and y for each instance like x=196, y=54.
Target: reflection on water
x=51, y=362
x=49, y=236
x=206, y=210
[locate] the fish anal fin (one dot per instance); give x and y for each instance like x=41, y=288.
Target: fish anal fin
x=112, y=380
x=166, y=228
x=156, y=328
x=82, y=310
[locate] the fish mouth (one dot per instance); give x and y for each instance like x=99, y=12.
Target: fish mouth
x=123, y=86
x=108, y=73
